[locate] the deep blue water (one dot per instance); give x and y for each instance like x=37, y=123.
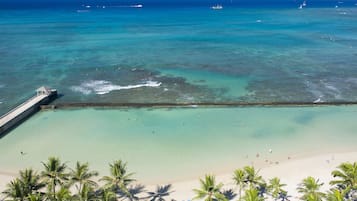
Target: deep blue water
x=179, y=54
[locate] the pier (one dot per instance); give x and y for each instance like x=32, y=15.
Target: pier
x=20, y=113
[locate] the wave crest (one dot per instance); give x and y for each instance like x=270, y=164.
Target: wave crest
x=101, y=87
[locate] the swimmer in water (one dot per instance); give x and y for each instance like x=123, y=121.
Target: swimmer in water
x=22, y=153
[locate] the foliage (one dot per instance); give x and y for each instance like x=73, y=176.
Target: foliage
x=239, y=179
x=346, y=180
x=78, y=184
x=81, y=178
x=54, y=175
x=119, y=179
x=310, y=189
x=276, y=189
x=252, y=194
x=209, y=190
x=253, y=179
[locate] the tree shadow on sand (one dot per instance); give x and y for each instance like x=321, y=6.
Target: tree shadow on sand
x=134, y=192
x=229, y=194
x=160, y=193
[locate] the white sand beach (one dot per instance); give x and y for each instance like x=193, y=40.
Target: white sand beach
x=291, y=172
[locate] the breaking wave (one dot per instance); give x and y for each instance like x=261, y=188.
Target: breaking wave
x=101, y=87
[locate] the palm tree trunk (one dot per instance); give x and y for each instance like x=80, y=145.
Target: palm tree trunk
x=54, y=189
x=80, y=188
x=240, y=193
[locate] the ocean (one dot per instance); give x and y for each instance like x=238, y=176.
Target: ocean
x=179, y=54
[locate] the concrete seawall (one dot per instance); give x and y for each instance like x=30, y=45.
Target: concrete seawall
x=196, y=104
x=22, y=112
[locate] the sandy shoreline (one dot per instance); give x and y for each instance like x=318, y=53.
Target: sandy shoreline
x=291, y=172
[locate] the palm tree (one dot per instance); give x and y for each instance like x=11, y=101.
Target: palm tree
x=14, y=190
x=106, y=195
x=81, y=176
x=347, y=175
x=119, y=179
x=252, y=177
x=310, y=188
x=35, y=197
x=210, y=191
x=160, y=193
x=335, y=195
x=239, y=179
x=54, y=175
x=252, y=194
x=276, y=188
x=87, y=193
x=30, y=181
x=63, y=195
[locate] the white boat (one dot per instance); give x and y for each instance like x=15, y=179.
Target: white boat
x=217, y=7
x=304, y=4
x=300, y=7
x=137, y=6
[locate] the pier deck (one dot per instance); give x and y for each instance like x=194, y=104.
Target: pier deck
x=20, y=109
x=26, y=109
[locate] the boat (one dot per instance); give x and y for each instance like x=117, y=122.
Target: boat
x=300, y=7
x=304, y=4
x=217, y=7
x=137, y=6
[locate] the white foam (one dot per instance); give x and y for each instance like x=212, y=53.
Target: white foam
x=81, y=90
x=318, y=100
x=101, y=87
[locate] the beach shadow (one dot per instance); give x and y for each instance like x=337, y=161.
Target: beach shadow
x=229, y=194
x=160, y=193
x=262, y=190
x=134, y=192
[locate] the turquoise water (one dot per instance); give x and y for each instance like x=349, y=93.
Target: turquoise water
x=167, y=145
x=179, y=54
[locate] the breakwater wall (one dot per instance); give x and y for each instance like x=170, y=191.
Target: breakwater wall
x=196, y=104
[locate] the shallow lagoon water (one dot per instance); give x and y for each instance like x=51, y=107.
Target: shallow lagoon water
x=166, y=145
